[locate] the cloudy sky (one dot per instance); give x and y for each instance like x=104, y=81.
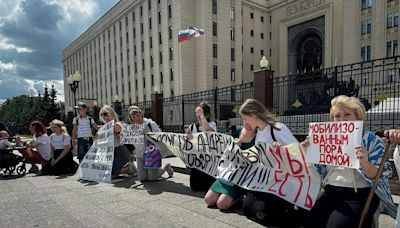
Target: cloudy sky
x=33, y=34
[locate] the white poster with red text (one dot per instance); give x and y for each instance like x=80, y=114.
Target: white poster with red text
x=281, y=171
x=333, y=143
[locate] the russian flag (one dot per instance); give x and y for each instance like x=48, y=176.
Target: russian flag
x=189, y=34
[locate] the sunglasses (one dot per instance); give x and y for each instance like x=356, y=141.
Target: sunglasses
x=104, y=114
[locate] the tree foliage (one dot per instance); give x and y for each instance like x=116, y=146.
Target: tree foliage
x=18, y=112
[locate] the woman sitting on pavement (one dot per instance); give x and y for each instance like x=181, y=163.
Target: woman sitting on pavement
x=38, y=150
x=223, y=193
x=62, y=161
x=121, y=153
x=346, y=189
x=151, y=174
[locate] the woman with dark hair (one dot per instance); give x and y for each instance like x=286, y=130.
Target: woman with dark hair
x=200, y=181
x=38, y=150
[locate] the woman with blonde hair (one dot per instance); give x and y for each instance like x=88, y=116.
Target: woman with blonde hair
x=346, y=189
x=61, y=161
x=267, y=208
x=121, y=153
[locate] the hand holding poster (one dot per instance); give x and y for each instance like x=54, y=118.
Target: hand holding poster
x=98, y=161
x=132, y=134
x=333, y=143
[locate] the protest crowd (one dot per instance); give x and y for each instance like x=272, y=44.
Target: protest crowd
x=336, y=177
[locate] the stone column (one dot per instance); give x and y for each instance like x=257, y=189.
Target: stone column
x=263, y=87
x=156, y=108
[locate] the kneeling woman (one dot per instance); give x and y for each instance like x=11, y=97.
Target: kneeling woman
x=121, y=153
x=223, y=193
x=38, y=150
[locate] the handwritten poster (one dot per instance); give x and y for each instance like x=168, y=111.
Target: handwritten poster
x=333, y=143
x=132, y=134
x=98, y=161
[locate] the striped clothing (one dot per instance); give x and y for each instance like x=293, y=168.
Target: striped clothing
x=375, y=146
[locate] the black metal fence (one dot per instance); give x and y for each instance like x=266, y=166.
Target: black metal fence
x=304, y=97
x=300, y=98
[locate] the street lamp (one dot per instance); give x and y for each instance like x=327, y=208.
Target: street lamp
x=117, y=105
x=264, y=63
x=73, y=81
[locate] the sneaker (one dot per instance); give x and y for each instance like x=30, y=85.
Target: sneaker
x=169, y=169
x=34, y=168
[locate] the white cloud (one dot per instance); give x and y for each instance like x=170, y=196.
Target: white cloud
x=4, y=44
x=6, y=66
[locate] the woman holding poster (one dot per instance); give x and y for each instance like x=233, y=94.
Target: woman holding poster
x=264, y=207
x=136, y=117
x=347, y=189
x=121, y=153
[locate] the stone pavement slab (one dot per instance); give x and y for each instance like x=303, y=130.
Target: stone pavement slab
x=48, y=201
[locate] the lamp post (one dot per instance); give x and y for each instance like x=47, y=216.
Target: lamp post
x=263, y=84
x=117, y=105
x=73, y=81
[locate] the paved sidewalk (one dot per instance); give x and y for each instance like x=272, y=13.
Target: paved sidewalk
x=48, y=201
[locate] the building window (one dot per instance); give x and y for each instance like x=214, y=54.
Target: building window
x=141, y=11
x=232, y=54
x=151, y=61
x=392, y=20
x=171, y=74
x=391, y=48
x=160, y=57
x=149, y=22
x=391, y=76
x=252, y=32
x=170, y=32
x=142, y=64
x=215, y=50
x=215, y=71
x=251, y=67
x=134, y=50
x=251, y=15
x=233, y=74
x=151, y=42
x=149, y=4
x=366, y=27
x=134, y=33
x=262, y=19
x=215, y=29
x=232, y=33
x=262, y=52
x=152, y=80
x=251, y=50
x=169, y=11
x=171, y=54
x=159, y=38
x=141, y=28
x=159, y=17
x=136, y=86
x=262, y=36
x=365, y=4
x=232, y=13
x=142, y=46
x=214, y=6
x=161, y=78
x=366, y=53
x=144, y=83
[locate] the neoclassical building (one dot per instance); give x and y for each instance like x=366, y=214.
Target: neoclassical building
x=133, y=50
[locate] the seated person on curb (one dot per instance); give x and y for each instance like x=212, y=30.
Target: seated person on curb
x=62, y=161
x=346, y=189
x=38, y=150
x=82, y=134
x=4, y=143
x=223, y=193
x=200, y=181
x=121, y=153
x=151, y=174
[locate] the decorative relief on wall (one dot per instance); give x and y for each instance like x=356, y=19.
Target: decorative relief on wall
x=300, y=6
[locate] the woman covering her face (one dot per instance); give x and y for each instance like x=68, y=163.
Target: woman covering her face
x=346, y=189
